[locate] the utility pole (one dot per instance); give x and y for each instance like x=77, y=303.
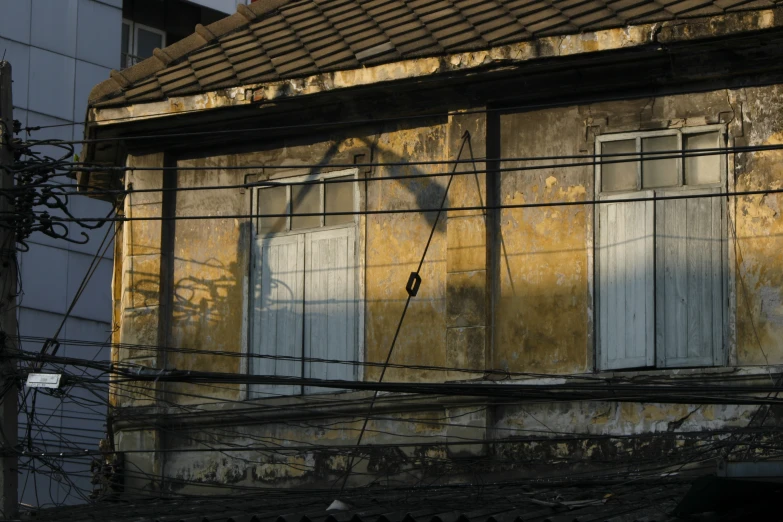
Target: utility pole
x=9, y=476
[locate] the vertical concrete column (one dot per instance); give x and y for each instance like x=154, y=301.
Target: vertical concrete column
x=466, y=262
x=141, y=317
x=141, y=263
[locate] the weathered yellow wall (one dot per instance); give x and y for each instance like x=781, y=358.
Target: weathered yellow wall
x=210, y=256
x=544, y=308
x=137, y=274
x=542, y=323
x=759, y=230
x=209, y=278
x=395, y=244
x=137, y=312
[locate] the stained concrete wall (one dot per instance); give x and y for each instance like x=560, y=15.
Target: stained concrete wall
x=210, y=256
x=545, y=309
x=543, y=303
x=542, y=309
x=759, y=293
x=209, y=275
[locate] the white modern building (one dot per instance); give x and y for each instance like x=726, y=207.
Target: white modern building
x=60, y=49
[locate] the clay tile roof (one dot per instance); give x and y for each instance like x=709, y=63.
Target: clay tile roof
x=278, y=39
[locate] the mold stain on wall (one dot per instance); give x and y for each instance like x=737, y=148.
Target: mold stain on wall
x=544, y=308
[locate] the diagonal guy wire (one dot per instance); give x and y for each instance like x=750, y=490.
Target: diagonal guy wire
x=465, y=141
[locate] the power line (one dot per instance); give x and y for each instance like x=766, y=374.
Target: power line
x=590, y=160
x=593, y=162
x=248, y=355
x=568, y=391
x=509, y=206
x=412, y=288
x=365, y=448
x=106, y=365
x=594, y=159
x=623, y=158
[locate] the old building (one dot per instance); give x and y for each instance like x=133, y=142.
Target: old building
x=279, y=175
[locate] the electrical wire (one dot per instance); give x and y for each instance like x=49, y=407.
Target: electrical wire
x=38, y=183
x=433, y=210
x=589, y=160
x=131, y=383
x=412, y=289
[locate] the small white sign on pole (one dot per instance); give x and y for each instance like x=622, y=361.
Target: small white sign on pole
x=43, y=380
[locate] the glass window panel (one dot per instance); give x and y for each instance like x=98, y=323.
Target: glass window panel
x=125, y=46
x=661, y=172
x=700, y=170
x=305, y=199
x=272, y=201
x=339, y=198
x=618, y=176
x=146, y=42
x=125, y=39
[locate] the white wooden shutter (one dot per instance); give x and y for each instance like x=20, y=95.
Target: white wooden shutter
x=278, y=277
x=330, y=304
x=690, y=280
x=626, y=282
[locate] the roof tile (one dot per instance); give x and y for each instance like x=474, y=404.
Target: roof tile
x=177, y=87
x=341, y=60
x=253, y=67
x=277, y=39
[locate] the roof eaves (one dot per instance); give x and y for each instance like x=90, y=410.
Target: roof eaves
x=259, y=81
x=161, y=58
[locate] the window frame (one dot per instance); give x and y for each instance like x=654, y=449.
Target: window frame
x=317, y=180
x=360, y=260
x=723, y=359
x=125, y=57
x=132, y=57
x=681, y=134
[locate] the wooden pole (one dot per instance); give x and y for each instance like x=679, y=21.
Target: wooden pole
x=9, y=475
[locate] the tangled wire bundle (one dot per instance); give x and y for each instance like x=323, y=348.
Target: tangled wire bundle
x=44, y=179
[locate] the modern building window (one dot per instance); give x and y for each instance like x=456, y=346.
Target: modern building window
x=138, y=42
x=661, y=266
x=304, y=282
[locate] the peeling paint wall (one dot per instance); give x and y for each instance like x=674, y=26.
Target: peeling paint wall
x=209, y=276
x=395, y=244
x=759, y=225
x=137, y=278
x=545, y=306
x=543, y=310
x=543, y=322
x=297, y=458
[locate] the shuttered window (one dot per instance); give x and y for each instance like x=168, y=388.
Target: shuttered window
x=330, y=319
x=304, y=306
x=626, y=294
x=661, y=296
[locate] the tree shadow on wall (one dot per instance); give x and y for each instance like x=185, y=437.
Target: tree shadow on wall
x=209, y=296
